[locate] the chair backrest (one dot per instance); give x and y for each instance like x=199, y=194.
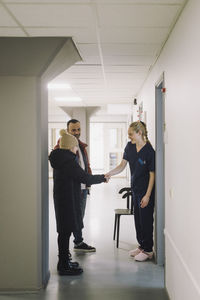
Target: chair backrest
x=128, y=197
x=125, y=189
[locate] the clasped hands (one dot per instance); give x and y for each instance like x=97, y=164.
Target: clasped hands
x=107, y=176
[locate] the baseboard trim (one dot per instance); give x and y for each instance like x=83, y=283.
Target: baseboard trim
x=189, y=273
x=27, y=290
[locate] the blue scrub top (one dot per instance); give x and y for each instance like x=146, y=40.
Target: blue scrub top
x=141, y=163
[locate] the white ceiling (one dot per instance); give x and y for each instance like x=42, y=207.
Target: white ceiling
x=118, y=40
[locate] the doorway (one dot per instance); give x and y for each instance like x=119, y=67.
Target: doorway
x=107, y=145
x=160, y=155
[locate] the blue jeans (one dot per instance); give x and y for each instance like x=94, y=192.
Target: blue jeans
x=78, y=237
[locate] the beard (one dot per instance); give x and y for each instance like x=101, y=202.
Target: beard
x=77, y=136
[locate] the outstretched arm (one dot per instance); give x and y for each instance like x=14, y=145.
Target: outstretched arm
x=78, y=174
x=118, y=169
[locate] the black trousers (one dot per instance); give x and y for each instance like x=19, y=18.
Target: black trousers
x=78, y=236
x=63, y=244
x=144, y=222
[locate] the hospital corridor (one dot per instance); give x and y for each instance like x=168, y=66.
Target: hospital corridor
x=109, y=87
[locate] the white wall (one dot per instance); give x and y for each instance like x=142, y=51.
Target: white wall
x=180, y=62
x=20, y=181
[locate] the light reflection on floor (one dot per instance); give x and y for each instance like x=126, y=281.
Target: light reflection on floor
x=109, y=273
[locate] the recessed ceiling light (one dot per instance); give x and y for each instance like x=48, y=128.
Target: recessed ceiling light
x=68, y=99
x=59, y=86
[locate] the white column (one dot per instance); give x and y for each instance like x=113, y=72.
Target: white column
x=24, y=158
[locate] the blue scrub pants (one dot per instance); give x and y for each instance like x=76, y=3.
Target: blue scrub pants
x=78, y=236
x=144, y=222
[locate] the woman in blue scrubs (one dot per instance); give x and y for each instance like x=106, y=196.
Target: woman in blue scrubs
x=141, y=157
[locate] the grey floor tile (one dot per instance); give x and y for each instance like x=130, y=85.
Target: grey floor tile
x=109, y=273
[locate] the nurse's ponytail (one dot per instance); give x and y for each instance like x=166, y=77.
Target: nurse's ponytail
x=145, y=132
x=140, y=126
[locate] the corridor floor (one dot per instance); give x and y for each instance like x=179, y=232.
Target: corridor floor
x=109, y=273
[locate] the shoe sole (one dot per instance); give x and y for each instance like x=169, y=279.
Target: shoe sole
x=143, y=260
x=82, y=250
x=148, y=258
x=69, y=273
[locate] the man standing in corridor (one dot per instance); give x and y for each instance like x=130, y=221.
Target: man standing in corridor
x=74, y=128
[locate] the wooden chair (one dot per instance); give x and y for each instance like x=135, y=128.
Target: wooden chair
x=128, y=211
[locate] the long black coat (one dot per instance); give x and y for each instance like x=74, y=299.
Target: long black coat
x=68, y=176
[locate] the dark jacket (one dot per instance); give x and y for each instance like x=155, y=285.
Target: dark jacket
x=68, y=176
x=84, y=153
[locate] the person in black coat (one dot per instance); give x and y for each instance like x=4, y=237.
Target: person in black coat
x=67, y=177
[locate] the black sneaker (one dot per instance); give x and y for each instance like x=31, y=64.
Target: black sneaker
x=67, y=269
x=83, y=247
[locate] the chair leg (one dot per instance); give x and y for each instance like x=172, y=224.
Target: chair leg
x=118, y=225
x=115, y=225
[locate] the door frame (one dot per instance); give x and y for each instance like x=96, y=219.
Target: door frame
x=160, y=171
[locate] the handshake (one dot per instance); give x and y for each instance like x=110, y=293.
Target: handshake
x=107, y=177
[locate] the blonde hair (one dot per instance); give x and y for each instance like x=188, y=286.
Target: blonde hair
x=140, y=126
